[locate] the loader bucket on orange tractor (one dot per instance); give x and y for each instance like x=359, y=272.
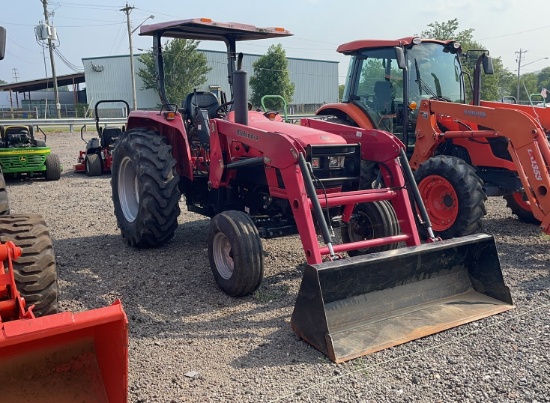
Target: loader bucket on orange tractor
x=64, y=357
x=354, y=306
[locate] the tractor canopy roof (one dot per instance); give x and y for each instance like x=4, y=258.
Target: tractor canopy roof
x=206, y=29
x=354, y=46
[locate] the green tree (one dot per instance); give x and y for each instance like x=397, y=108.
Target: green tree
x=271, y=77
x=2, y=82
x=184, y=68
x=492, y=86
x=544, y=81
x=341, y=92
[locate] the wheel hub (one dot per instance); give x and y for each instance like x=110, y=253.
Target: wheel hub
x=223, y=255
x=128, y=190
x=441, y=201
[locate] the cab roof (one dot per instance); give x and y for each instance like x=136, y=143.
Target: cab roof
x=354, y=46
x=206, y=29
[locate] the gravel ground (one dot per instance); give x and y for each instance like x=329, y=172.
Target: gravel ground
x=191, y=342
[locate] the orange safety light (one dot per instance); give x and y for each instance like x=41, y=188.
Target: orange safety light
x=170, y=115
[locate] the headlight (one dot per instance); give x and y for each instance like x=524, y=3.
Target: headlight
x=336, y=162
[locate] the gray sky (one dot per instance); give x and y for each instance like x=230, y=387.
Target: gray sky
x=98, y=28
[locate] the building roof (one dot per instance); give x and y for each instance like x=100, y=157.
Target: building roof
x=43, y=83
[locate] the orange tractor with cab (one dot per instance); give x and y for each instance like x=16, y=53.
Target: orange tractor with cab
x=415, y=89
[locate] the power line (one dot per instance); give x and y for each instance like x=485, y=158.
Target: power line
x=515, y=33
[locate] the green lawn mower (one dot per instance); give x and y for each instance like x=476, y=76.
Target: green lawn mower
x=21, y=155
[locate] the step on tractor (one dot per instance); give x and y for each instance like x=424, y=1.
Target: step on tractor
x=47, y=355
x=21, y=155
x=258, y=178
x=96, y=158
x=460, y=153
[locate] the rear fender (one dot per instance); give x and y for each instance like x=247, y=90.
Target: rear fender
x=172, y=130
x=346, y=109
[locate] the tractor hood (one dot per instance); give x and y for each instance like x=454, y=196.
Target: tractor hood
x=206, y=29
x=303, y=135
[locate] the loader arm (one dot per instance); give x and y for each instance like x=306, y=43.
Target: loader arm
x=527, y=145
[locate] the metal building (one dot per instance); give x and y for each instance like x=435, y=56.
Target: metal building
x=315, y=81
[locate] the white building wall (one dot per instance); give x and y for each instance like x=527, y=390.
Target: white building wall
x=315, y=81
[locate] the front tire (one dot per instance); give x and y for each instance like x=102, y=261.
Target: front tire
x=235, y=253
x=145, y=189
x=453, y=196
x=374, y=220
x=35, y=271
x=93, y=165
x=518, y=203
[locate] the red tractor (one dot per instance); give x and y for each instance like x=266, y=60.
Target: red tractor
x=97, y=159
x=401, y=85
x=260, y=178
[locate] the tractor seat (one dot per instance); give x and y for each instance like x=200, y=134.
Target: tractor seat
x=383, y=97
x=204, y=100
x=109, y=135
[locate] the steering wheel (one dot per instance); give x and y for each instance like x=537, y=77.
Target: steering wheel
x=223, y=109
x=441, y=98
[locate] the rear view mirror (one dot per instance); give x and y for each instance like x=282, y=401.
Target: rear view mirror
x=2, y=42
x=400, y=56
x=488, y=65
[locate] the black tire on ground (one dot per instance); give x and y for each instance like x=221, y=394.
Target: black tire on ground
x=453, y=195
x=518, y=203
x=4, y=201
x=235, y=253
x=35, y=271
x=375, y=220
x=53, y=167
x=94, y=166
x=146, y=205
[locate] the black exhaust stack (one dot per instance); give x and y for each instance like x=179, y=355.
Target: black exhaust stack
x=240, y=97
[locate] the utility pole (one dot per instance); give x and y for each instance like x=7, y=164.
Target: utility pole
x=127, y=10
x=520, y=54
x=50, y=46
x=15, y=77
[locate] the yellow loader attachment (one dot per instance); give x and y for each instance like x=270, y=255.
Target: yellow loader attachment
x=351, y=307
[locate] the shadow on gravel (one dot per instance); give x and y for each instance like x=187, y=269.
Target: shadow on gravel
x=169, y=292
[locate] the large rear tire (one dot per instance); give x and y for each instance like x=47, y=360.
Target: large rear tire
x=4, y=201
x=518, y=203
x=453, y=196
x=374, y=220
x=53, y=167
x=235, y=253
x=35, y=271
x=93, y=165
x=145, y=188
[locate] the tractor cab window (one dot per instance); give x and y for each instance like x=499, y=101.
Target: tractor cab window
x=434, y=72
x=379, y=86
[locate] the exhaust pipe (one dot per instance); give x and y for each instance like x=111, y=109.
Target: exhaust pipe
x=240, y=97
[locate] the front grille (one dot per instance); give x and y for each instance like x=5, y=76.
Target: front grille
x=22, y=163
x=320, y=156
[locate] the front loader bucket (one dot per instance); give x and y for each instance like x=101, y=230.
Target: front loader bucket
x=351, y=307
x=66, y=357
